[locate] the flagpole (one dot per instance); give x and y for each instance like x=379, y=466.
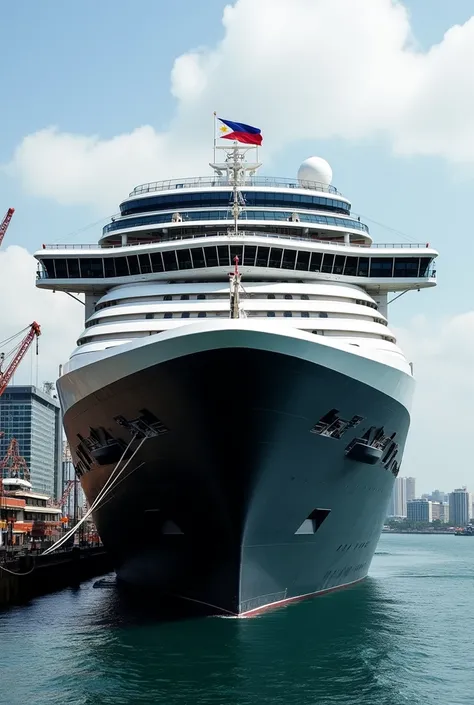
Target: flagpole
x=215, y=135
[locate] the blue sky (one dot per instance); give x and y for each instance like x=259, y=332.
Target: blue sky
x=104, y=69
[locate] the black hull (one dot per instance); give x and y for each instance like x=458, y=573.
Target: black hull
x=209, y=506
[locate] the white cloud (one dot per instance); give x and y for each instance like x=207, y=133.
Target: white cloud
x=300, y=69
x=61, y=318
x=438, y=449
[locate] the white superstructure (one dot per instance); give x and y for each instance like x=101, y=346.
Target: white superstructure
x=303, y=258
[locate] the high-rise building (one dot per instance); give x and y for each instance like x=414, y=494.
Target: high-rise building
x=460, y=507
x=420, y=510
x=34, y=419
x=410, y=488
x=398, y=502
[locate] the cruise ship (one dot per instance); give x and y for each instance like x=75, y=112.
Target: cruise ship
x=237, y=406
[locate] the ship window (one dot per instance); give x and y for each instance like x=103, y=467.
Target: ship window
x=92, y=268
x=168, y=314
x=271, y=314
x=302, y=262
x=313, y=521
x=339, y=264
x=424, y=266
x=145, y=265
x=289, y=258
x=327, y=264
x=381, y=266
x=167, y=297
x=316, y=259
x=288, y=297
x=202, y=314
x=406, y=267
x=275, y=257
x=304, y=297
x=48, y=264
x=350, y=269
x=262, y=256
x=73, y=268
x=288, y=314
x=236, y=251
x=200, y=297
x=133, y=264
x=198, y=257
x=185, y=314
x=211, y=256
x=156, y=261
x=363, y=268
x=121, y=266
x=149, y=316
x=270, y=296
x=169, y=261
x=323, y=314
x=184, y=259
x=184, y=297
x=249, y=255
x=223, y=254
x=61, y=269
x=304, y=314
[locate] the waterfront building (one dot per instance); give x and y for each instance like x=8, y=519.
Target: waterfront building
x=33, y=417
x=460, y=507
x=410, y=488
x=420, y=510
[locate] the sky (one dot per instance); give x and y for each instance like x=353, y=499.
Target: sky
x=99, y=97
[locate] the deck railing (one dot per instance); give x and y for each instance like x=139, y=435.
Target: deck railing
x=215, y=182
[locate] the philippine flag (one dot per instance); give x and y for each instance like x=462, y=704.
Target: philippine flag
x=240, y=132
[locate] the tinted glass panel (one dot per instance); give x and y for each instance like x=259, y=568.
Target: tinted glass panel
x=109, y=267
x=145, y=265
x=249, y=255
x=351, y=266
x=302, y=263
x=275, y=257
x=156, y=261
x=133, y=264
x=121, y=266
x=288, y=314
x=316, y=259
x=169, y=261
x=363, y=268
x=271, y=314
x=73, y=267
x=184, y=259
x=202, y=314
x=289, y=259
x=92, y=268
x=49, y=266
x=61, y=269
x=328, y=262
x=185, y=314
x=304, y=314
x=424, y=266
x=198, y=257
x=406, y=266
x=211, y=256
x=262, y=256
x=339, y=264
x=223, y=255
x=381, y=266
x=236, y=251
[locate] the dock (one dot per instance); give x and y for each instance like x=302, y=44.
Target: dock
x=26, y=576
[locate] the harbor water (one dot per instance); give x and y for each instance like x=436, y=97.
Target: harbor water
x=403, y=636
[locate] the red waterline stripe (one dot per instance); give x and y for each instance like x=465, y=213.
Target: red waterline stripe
x=297, y=598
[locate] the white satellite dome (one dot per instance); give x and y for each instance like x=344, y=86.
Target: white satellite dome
x=315, y=169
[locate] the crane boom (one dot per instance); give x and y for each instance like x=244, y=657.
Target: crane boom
x=6, y=376
x=5, y=223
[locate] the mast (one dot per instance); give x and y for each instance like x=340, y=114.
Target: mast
x=235, y=291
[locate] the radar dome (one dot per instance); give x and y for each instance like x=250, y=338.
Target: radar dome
x=315, y=169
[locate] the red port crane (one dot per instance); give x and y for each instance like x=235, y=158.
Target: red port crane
x=5, y=376
x=5, y=223
x=14, y=464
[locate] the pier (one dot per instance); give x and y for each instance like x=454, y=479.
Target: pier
x=25, y=576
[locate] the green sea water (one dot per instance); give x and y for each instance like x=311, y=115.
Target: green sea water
x=404, y=636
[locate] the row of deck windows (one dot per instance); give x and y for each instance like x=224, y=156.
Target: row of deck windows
x=202, y=297
x=214, y=199
x=223, y=255
x=247, y=214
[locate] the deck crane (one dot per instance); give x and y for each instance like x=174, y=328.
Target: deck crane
x=5, y=223
x=18, y=354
